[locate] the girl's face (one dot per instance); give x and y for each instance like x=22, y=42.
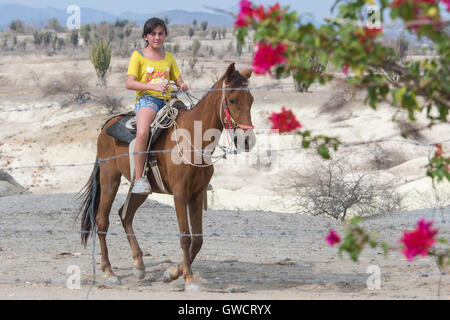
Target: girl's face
x=156, y=38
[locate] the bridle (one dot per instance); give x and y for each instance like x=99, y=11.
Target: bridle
x=230, y=123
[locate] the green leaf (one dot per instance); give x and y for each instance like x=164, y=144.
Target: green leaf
x=324, y=152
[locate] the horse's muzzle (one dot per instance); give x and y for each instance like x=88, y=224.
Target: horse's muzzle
x=244, y=141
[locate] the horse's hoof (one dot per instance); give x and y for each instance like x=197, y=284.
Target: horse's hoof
x=167, y=276
x=192, y=288
x=139, y=273
x=113, y=281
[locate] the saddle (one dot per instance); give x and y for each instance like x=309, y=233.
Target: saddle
x=125, y=129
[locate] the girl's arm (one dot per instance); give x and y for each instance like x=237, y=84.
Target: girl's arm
x=133, y=84
x=181, y=84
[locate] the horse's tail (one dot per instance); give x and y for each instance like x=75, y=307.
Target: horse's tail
x=90, y=199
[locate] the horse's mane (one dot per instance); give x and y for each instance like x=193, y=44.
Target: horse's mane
x=238, y=81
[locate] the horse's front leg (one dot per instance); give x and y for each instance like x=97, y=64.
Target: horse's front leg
x=183, y=268
x=196, y=219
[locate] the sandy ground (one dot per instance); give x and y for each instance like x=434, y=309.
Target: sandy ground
x=37, y=130
x=246, y=255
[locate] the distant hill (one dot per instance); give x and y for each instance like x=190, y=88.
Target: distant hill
x=38, y=17
x=182, y=17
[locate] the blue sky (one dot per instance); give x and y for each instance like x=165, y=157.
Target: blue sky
x=319, y=8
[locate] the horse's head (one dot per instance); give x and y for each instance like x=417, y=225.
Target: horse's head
x=236, y=107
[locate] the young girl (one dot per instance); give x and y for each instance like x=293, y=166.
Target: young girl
x=148, y=74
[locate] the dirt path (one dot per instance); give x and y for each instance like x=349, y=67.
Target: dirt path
x=246, y=255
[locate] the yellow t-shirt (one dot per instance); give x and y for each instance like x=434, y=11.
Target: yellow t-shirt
x=149, y=71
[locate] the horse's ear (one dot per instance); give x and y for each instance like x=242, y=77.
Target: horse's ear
x=229, y=73
x=247, y=73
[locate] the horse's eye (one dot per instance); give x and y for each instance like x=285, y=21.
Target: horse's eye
x=232, y=101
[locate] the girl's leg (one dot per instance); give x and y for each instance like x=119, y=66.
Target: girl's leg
x=144, y=119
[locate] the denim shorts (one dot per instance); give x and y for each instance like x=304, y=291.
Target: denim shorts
x=148, y=101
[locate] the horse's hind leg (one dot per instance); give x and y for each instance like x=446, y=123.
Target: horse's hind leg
x=136, y=201
x=109, y=181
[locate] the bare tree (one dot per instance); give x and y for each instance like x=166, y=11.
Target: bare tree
x=333, y=188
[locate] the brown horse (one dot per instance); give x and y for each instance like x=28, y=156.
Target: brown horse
x=227, y=105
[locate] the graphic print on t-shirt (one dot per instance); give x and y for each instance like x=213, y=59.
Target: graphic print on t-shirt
x=153, y=76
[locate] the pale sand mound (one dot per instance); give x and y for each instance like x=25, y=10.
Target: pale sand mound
x=9, y=186
x=37, y=131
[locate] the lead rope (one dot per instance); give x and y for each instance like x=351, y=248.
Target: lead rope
x=228, y=132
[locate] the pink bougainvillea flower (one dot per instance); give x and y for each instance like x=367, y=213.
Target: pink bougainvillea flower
x=332, y=238
x=267, y=56
x=372, y=32
x=345, y=69
x=418, y=241
x=260, y=13
x=447, y=3
x=416, y=26
x=284, y=121
x=245, y=15
x=398, y=3
x=246, y=9
x=242, y=22
x=276, y=7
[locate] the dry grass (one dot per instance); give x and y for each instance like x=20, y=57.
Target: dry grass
x=411, y=130
x=383, y=159
x=73, y=85
x=112, y=104
x=343, y=95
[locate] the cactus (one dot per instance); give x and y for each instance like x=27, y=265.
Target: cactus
x=100, y=55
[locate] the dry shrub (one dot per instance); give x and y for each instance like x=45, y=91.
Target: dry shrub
x=7, y=81
x=114, y=105
x=409, y=129
x=334, y=188
x=343, y=95
x=383, y=159
x=53, y=88
x=35, y=76
x=73, y=85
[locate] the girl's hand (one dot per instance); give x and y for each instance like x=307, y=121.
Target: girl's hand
x=160, y=87
x=183, y=87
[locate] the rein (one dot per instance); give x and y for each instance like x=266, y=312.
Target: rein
x=230, y=124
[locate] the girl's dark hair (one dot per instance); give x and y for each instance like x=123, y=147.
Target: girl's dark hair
x=151, y=25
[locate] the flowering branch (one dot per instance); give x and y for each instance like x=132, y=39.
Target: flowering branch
x=414, y=243
x=284, y=42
